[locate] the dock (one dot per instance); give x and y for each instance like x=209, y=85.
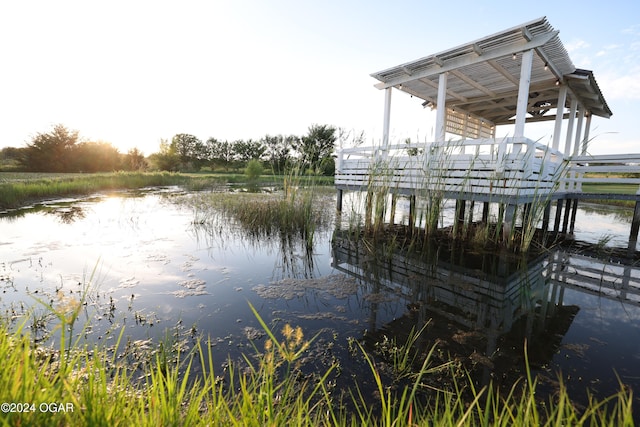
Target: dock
x=506, y=80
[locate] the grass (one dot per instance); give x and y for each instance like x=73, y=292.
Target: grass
x=92, y=387
x=18, y=189
x=294, y=213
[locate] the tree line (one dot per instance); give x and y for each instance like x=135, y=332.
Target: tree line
x=62, y=150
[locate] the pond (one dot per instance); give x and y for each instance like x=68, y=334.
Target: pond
x=150, y=268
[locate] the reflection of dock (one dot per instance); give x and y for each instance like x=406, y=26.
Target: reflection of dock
x=489, y=295
x=616, y=281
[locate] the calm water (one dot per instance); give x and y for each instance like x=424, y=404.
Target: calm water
x=156, y=274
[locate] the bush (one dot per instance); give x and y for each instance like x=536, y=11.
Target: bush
x=253, y=170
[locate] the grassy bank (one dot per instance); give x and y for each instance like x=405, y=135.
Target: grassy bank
x=80, y=386
x=19, y=189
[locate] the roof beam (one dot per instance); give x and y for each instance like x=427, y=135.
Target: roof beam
x=449, y=92
x=506, y=74
x=472, y=83
x=465, y=60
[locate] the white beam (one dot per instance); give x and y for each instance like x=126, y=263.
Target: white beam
x=523, y=93
x=576, y=145
x=562, y=98
x=587, y=128
x=441, y=109
x=459, y=62
x=387, y=118
x=572, y=116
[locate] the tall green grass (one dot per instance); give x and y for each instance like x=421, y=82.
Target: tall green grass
x=92, y=387
x=295, y=213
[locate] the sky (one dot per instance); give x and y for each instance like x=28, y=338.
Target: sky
x=134, y=72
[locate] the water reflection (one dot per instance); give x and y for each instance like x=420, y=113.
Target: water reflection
x=156, y=269
x=482, y=310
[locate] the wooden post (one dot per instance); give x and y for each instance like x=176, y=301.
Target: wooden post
x=386, y=121
x=567, y=212
x=572, y=116
x=574, y=210
x=562, y=98
x=635, y=226
x=441, y=108
x=460, y=208
x=485, y=212
x=412, y=212
x=339, y=201
x=509, y=221
x=556, y=223
x=394, y=202
x=368, y=210
x=545, y=217
x=523, y=94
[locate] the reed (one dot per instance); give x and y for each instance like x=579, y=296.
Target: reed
x=440, y=173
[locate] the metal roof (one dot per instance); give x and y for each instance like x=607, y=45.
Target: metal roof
x=483, y=76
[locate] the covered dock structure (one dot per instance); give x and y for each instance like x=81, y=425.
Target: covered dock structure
x=512, y=78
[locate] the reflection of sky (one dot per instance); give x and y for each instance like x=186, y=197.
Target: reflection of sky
x=594, y=223
x=603, y=340
x=176, y=271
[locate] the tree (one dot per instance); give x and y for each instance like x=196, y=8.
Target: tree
x=95, y=157
x=167, y=158
x=11, y=158
x=189, y=150
x=316, y=147
x=51, y=152
x=220, y=152
x=253, y=169
x=248, y=150
x=278, y=150
x=134, y=160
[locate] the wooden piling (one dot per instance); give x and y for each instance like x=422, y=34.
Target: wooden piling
x=635, y=226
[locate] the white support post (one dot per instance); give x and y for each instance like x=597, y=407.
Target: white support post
x=572, y=116
x=523, y=93
x=576, y=145
x=441, y=110
x=587, y=128
x=562, y=98
x=386, y=122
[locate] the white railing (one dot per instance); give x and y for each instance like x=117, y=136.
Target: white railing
x=508, y=166
x=601, y=169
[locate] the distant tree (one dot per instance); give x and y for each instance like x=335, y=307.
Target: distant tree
x=11, y=158
x=248, y=150
x=167, y=158
x=52, y=151
x=221, y=153
x=188, y=148
x=11, y=153
x=95, y=157
x=134, y=160
x=317, y=146
x=278, y=151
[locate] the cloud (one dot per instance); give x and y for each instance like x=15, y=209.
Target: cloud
x=621, y=86
x=576, y=44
